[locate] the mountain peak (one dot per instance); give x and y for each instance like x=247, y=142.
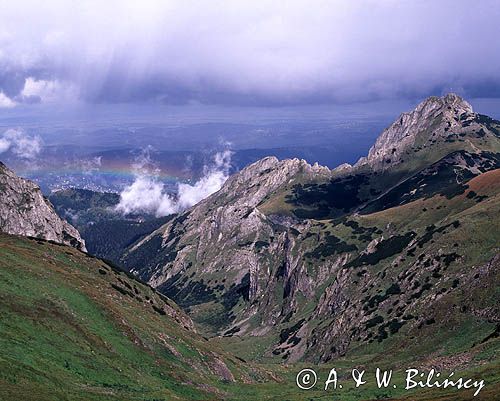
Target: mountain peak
x=450, y=103
x=250, y=185
x=434, y=116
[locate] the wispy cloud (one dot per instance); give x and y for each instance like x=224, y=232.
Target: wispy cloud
x=6, y=102
x=20, y=144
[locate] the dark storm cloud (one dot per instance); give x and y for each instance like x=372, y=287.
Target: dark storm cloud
x=246, y=52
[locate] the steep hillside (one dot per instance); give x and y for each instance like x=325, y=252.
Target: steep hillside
x=295, y=262
x=25, y=211
x=73, y=328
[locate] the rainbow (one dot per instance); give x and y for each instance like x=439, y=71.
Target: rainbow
x=114, y=171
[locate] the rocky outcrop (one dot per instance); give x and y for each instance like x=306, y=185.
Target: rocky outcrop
x=25, y=211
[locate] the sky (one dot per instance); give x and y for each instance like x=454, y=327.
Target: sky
x=245, y=53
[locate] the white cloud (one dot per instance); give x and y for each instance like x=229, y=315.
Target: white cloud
x=45, y=90
x=147, y=195
x=211, y=182
x=6, y=102
x=4, y=145
x=20, y=144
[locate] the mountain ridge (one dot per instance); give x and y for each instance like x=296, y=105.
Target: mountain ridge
x=283, y=244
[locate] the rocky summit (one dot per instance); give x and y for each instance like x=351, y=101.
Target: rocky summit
x=293, y=262
x=433, y=119
x=25, y=211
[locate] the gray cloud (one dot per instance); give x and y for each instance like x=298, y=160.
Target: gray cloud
x=247, y=52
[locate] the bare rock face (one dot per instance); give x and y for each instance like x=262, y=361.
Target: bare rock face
x=219, y=226
x=436, y=116
x=252, y=184
x=25, y=211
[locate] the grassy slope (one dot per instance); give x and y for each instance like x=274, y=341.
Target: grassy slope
x=65, y=333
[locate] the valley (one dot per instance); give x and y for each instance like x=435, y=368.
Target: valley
x=312, y=263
